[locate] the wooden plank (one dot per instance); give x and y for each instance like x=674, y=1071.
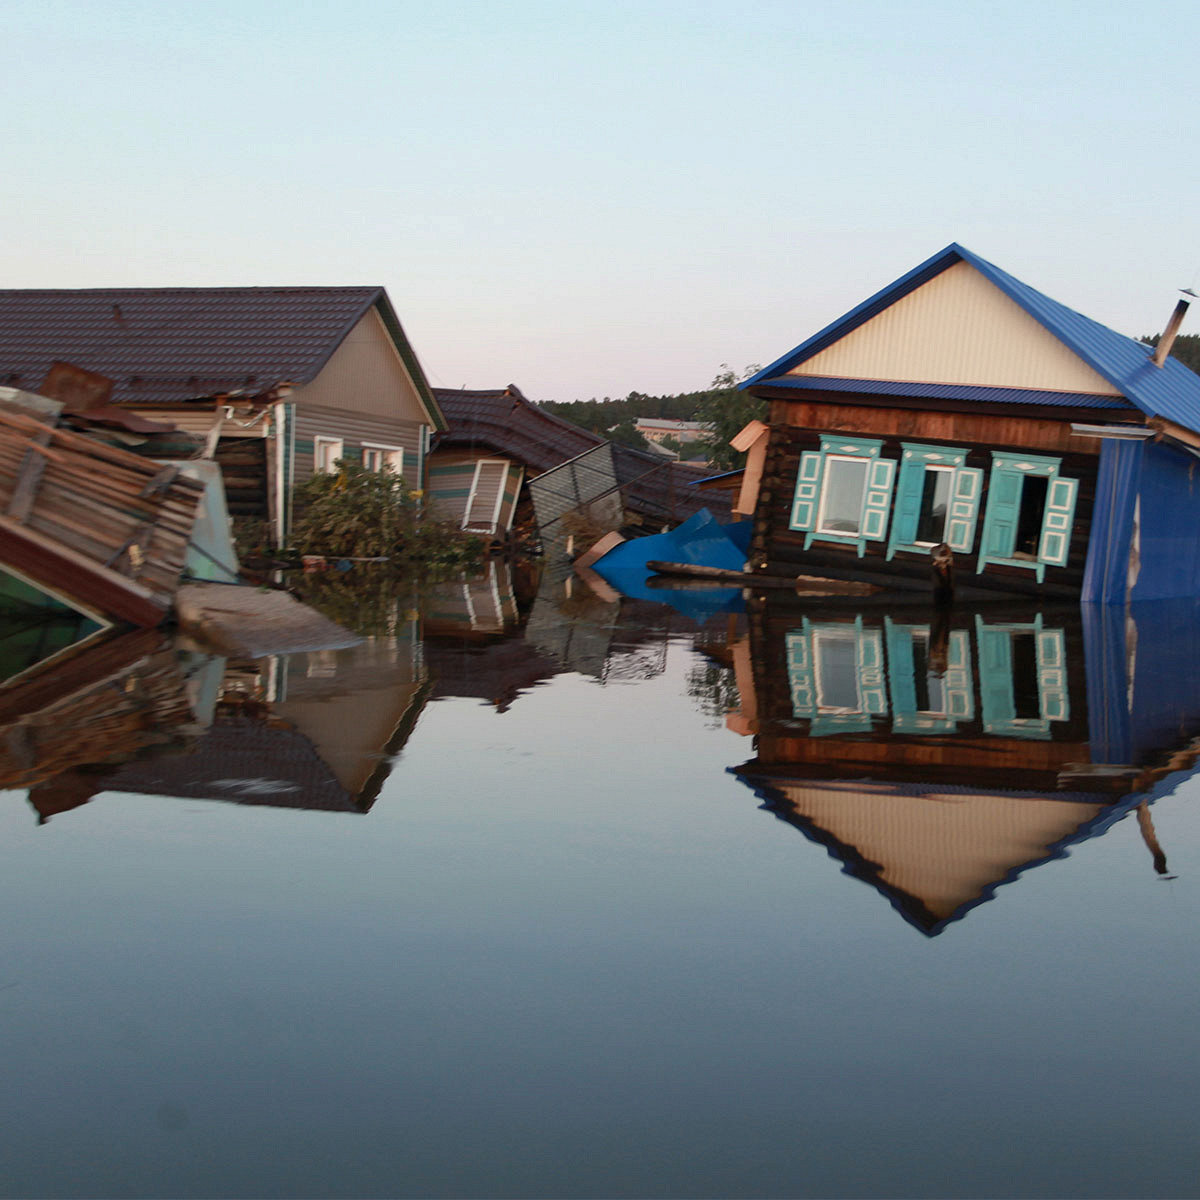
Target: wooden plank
x=29, y=475
x=71, y=574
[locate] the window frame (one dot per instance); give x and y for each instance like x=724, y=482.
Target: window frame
x=998, y=544
x=320, y=442
x=810, y=496
x=393, y=456
x=962, y=514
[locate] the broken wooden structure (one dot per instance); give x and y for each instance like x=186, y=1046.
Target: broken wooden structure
x=103, y=530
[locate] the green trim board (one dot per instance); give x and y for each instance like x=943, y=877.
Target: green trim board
x=928, y=697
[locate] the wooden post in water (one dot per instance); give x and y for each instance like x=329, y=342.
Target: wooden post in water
x=941, y=569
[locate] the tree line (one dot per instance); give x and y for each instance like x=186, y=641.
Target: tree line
x=1186, y=348
x=720, y=406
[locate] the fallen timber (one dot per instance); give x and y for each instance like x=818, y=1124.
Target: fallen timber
x=808, y=585
x=100, y=528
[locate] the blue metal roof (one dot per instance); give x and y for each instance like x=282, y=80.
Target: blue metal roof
x=948, y=391
x=1170, y=391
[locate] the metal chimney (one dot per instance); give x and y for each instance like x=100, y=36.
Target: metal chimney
x=1168, y=338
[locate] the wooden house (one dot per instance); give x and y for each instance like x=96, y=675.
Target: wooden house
x=278, y=382
x=960, y=407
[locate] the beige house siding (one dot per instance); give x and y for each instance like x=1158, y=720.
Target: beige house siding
x=957, y=328
x=945, y=850
x=354, y=429
x=366, y=375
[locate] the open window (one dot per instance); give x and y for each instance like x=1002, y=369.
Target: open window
x=930, y=679
x=1022, y=678
x=843, y=492
x=1030, y=513
x=937, y=500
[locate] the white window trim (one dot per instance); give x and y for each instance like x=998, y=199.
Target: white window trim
x=479, y=464
x=819, y=527
x=948, y=470
x=318, y=442
x=395, y=453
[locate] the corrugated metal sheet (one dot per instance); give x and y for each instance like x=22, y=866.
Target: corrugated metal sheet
x=958, y=328
x=1170, y=391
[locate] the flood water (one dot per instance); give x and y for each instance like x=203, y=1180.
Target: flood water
x=567, y=895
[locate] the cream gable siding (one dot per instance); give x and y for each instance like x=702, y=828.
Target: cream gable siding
x=943, y=849
x=365, y=375
x=959, y=328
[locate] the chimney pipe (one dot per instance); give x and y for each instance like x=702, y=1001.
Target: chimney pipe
x=1168, y=338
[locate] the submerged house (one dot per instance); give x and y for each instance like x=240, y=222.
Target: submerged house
x=495, y=442
x=278, y=382
x=960, y=407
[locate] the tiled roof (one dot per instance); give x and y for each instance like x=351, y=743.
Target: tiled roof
x=161, y=345
x=1170, y=391
x=504, y=420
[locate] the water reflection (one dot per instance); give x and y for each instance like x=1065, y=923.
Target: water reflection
x=938, y=756
x=935, y=755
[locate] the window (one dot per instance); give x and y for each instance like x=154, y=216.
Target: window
x=836, y=677
x=376, y=456
x=326, y=452
x=1022, y=678
x=842, y=496
x=1030, y=513
x=930, y=677
x=937, y=500
x=843, y=492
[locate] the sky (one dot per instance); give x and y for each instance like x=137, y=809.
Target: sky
x=587, y=199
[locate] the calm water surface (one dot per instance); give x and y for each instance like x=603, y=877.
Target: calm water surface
x=484, y=911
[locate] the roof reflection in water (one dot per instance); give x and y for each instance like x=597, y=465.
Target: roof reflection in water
x=939, y=755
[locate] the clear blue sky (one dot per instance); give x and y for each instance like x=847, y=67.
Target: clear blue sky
x=588, y=198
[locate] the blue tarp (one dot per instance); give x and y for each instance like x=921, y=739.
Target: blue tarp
x=701, y=541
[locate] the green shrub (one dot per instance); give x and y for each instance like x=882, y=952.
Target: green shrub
x=356, y=513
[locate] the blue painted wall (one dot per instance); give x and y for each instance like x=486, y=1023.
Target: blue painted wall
x=1163, y=484
x=1169, y=492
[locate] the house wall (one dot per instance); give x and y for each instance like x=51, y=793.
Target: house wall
x=957, y=328
x=365, y=375
x=354, y=428
x=451, y=475
x=781, y=550
x=1167, y=518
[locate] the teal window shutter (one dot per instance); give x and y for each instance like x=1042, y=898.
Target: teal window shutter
x=877, y=502
x=808, y=489
x=966, y=484
x=1055, y=543
x=1000, y=521
x=800, y=672
x=964, y=509
x=909, y=489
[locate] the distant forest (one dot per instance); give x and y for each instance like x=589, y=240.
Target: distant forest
x=720, y=406
x=1186, y=349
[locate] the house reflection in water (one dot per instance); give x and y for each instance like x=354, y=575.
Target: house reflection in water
x=939, y=756
x=314, y=731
